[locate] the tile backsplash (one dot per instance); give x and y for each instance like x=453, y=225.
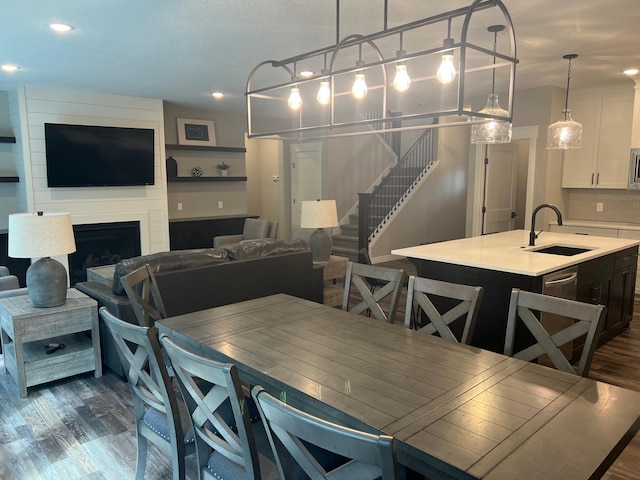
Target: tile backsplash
x=621, y=206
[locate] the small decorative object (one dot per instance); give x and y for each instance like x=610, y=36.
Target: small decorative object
x=196, y=132
x=223, y=169
x=43, y=235
x=196, y=172
x=172, y=167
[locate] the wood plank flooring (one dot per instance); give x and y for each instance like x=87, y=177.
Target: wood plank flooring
x=82, y=427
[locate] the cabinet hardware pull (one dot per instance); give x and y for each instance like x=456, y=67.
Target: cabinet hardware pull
x=592, y=178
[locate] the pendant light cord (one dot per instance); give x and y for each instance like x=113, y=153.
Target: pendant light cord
x=566, y=100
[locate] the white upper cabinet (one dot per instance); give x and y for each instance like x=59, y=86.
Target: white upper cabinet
x=603, y=160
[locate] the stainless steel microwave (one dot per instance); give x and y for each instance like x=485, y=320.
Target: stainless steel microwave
x=634, y=169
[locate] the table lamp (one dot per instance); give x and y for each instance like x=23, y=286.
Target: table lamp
x=43, y=235
x=319, y=214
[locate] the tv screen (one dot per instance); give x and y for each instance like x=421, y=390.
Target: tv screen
x=93, y=156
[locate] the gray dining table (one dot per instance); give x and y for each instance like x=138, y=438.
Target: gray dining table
x=456, y=411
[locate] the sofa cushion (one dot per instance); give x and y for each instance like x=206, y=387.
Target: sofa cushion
x=264, y=247
x=167, y=261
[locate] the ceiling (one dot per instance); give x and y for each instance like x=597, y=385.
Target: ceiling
x=181, y=51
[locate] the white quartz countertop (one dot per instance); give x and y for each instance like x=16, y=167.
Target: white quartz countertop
x=509, y=251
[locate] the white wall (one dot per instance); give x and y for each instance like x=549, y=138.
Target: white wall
x=31, y=107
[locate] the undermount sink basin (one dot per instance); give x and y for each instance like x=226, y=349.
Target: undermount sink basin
x=565, y=250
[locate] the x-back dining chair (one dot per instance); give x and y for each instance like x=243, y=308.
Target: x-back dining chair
x=305, y=437
x=588, y=321
x=142, y=291
x=156, y=410
x=356, y=277
x=221, y=416
x=462, y=300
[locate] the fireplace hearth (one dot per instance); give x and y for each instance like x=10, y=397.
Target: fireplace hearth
x=100, y=244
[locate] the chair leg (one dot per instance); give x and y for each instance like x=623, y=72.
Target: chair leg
x=142, y=457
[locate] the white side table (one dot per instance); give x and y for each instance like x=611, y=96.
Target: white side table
x=26, y=330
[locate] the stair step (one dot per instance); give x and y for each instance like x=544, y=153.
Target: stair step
x=345, y=242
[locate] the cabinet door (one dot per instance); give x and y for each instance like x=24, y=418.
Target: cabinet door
x=614, y=143
x=579, y=165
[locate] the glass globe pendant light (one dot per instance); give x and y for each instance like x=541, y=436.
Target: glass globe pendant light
x=494, y=131
x=565, y=133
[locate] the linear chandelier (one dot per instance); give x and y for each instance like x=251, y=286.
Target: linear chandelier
x=400, y=78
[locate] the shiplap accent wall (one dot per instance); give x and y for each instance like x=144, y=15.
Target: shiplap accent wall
x=32, y=106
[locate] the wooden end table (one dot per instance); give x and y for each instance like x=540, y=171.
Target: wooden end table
x=26, y=330
x=333, y=269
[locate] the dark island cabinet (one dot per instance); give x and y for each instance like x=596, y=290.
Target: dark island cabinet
x=622, y=293
x=199, y=232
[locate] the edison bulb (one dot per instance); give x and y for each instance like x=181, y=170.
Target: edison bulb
x=324, y=93
x=359, y=89
x=402, y=81
x=447, y=71
x=295, y=101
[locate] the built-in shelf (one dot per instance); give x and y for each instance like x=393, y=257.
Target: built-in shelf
x=9, y=179
x=206, y=179
x=7, y=139
x=206, y=148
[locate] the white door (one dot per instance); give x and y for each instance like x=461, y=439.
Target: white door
x=306, y=180
x=502, y=170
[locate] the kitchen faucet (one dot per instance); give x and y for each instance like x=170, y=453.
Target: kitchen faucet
x=532, y=235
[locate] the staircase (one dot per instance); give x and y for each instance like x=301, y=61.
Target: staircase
x=375, y=209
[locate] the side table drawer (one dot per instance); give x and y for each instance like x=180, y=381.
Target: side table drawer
x=58, y=323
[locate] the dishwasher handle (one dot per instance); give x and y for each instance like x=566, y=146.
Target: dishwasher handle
x=562, y=281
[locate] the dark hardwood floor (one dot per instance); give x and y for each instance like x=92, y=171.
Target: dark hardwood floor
x=82, y=427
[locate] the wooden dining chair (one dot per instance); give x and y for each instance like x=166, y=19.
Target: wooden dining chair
x=588, y=321
x=459, y=300
x=311, y=442
x=156, y=410
x=356, y=277
x=143, y=294
x=221, y=415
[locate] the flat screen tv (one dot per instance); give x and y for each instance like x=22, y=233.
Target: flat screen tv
x=93, y=156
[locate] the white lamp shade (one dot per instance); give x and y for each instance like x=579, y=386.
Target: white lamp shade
x=318, y=214
x=34, y=236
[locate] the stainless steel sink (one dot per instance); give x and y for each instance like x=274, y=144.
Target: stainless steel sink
x=565, y=250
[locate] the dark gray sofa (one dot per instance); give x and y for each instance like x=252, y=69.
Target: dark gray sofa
x=192, y=280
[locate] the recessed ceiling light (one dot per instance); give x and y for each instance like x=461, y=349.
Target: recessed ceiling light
x=631, y=71
x=217, y=94
x=9, y=68
x=306, y=74
x=60, y=27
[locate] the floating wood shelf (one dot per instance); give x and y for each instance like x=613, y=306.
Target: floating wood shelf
x=206, y=179
x=203, y=148
x=9, y=179
x=7, y=139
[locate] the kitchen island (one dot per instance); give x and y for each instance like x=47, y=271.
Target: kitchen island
x=502, y=261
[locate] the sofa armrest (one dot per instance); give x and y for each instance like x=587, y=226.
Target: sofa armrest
x=13, y=292
x=9, y=282
x=226, y=240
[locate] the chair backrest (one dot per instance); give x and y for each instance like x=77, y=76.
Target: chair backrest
x=462, y=300
x=588, y=321
x=218, y=412
x=357, y=275
x=367, y=456
x=364, y=258
x=142, y=290
x=139, y=351
x=255, y=228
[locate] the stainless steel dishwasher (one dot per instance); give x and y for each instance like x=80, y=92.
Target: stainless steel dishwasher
x=563, y=284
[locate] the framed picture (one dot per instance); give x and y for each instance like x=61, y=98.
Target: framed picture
x=196, y=132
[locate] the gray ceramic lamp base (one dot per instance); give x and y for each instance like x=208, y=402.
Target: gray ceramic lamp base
x=47, y=283
x=320, y=244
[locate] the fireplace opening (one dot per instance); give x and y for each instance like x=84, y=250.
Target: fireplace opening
x=100, y=244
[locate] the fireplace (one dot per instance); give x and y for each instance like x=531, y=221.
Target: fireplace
x=102, y=244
